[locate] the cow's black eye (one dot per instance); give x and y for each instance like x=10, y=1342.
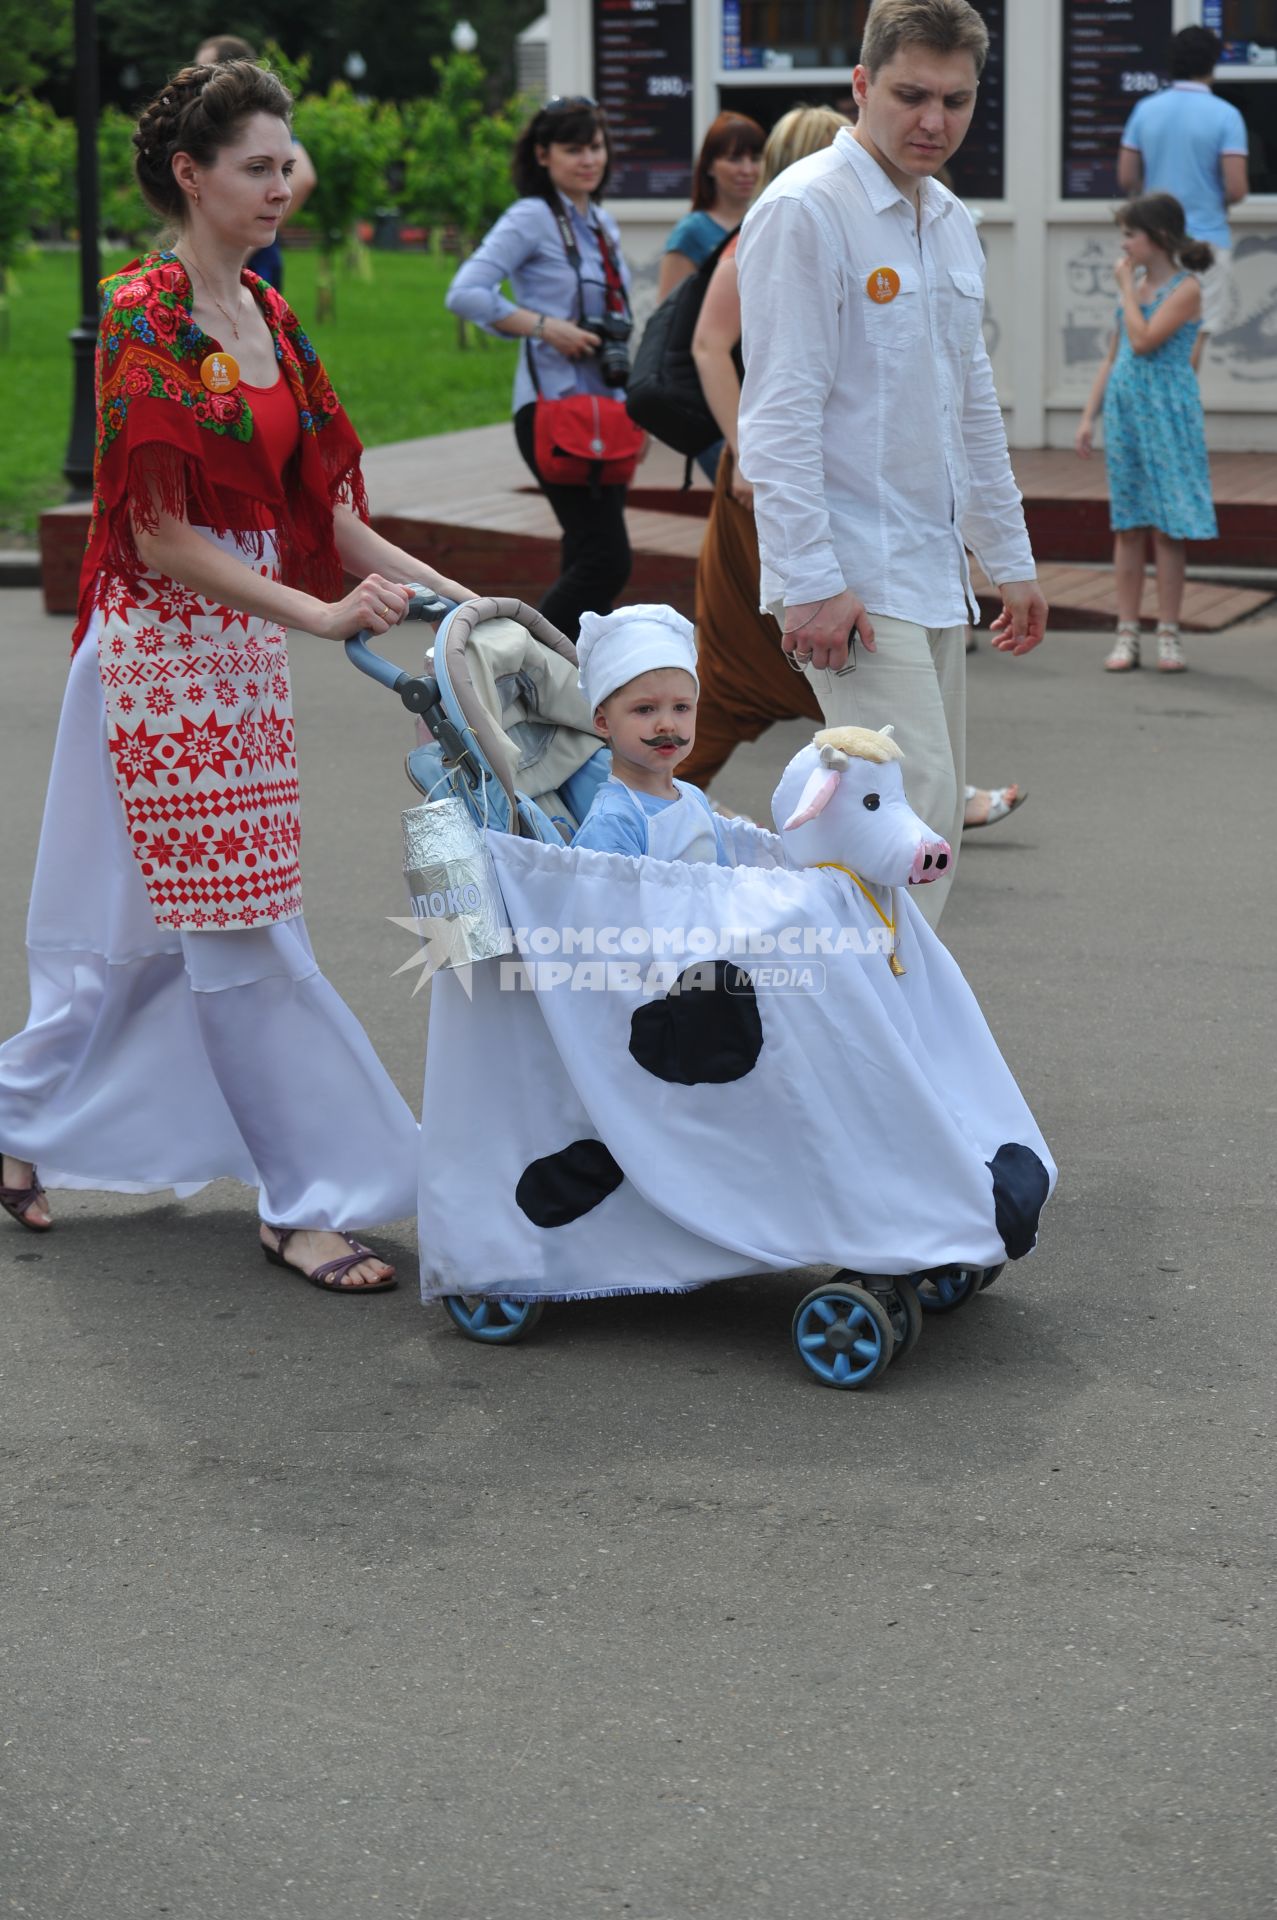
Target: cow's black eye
x=873, y=801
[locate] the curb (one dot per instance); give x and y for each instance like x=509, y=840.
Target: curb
x=19, y=569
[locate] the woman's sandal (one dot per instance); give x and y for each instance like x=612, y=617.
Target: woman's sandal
x=18, y=1202
x=1170, y=653
x=999, y=805
x=328, y=1277
x=1126, y=650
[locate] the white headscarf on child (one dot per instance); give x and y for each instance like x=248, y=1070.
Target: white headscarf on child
x=614, y=648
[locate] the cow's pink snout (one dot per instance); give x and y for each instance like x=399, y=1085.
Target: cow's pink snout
x=931, y=862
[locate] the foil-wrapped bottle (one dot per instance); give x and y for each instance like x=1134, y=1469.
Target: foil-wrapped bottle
x=452, y=884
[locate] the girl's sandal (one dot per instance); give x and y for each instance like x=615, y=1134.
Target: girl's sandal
x=329, y=1276
x=1170, y=653
x=18, y=1202
x=1126, y=650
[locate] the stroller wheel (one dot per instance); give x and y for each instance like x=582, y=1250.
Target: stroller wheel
x=944, y=1288
x=843, y=1335
x=897, y=1297
x=990, y=1275
x=495, y=1322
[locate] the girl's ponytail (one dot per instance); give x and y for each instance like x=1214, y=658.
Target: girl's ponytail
x=1161, y=217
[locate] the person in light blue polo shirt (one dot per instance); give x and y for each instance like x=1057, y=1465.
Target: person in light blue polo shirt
x=1186, y=142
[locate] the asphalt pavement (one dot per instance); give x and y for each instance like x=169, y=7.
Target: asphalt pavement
x=311, y=1609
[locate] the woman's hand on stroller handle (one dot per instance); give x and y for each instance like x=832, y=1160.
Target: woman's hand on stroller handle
x=373, y=607
x=417, y=694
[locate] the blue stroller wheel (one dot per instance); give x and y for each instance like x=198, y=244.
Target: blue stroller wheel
x=843, y=1335
x=496, y=1322
x=990, y=1275
x=944, y=1288
x=897, y=1296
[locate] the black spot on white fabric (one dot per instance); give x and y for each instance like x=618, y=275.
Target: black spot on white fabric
x=706, y=1030
x=559, y=1189
x=1020, y=1187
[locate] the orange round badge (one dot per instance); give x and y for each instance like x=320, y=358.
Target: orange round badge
x=219, y=372
x=883, y=285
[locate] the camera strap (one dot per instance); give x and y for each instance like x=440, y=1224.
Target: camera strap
x=615, y=296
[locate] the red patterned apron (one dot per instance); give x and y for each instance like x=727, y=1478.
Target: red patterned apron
x=200, y=731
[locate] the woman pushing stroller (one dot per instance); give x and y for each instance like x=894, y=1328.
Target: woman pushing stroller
x=180, y=1029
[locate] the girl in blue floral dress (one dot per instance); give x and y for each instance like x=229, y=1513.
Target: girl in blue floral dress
x=1154, y=431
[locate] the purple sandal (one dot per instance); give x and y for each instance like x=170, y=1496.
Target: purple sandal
x=17, y=1201
x=329, y=1276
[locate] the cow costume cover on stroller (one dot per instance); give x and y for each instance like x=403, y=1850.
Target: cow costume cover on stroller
x=679, y=1072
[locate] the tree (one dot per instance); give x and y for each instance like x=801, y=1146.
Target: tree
x=351, y=143
x=37, y=183
x=54, y=204
x=35, y=41
x=396, y=42
x=122, y=210
x=15, y=186
x=457, y=166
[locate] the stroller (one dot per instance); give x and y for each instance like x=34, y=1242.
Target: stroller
x=641, y=1138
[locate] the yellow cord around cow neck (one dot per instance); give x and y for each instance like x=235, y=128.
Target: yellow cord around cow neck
x=888, y=923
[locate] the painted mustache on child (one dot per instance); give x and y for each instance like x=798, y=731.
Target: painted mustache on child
x=667, y=740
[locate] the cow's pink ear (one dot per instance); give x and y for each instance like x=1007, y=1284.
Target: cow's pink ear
x=816, y=795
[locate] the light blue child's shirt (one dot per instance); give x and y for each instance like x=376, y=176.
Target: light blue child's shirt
x=618, y=820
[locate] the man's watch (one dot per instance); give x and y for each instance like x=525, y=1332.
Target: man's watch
x=538, y=332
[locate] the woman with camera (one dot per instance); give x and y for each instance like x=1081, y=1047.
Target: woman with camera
x=562, y=255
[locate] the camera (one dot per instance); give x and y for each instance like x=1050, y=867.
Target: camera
x=612, y=330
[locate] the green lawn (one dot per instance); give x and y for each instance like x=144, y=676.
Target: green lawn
x=392, y=352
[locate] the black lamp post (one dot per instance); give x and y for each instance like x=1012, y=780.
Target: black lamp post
x=78, y=465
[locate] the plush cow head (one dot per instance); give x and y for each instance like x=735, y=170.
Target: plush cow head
x=841, y=800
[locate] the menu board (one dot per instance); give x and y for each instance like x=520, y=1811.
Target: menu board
x=976, y=169
x=1114, y=52
x=643, y=79
x=1248, y=29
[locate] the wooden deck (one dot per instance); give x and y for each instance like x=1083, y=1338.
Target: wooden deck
x=1066, y=506
x=467, y=501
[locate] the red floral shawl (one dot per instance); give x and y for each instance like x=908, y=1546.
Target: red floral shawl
x=202, y=454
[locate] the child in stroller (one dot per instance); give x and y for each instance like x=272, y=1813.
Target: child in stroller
x=847, y=1109
x=638, y=676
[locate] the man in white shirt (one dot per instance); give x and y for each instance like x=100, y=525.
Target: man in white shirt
x=869, y=426
x=1186, y=142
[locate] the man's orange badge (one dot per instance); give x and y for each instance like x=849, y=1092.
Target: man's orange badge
x=219, y=371
x=882, y=285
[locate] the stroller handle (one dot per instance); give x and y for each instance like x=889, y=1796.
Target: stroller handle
x=418, y=693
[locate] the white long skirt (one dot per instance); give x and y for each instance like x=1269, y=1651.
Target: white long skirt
x=156, y=1059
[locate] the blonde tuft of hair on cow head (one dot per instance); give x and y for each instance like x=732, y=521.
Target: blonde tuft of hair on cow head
x=840, y=745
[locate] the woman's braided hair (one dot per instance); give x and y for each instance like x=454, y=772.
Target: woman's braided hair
x=200, y=111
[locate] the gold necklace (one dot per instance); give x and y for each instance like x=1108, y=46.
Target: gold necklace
x=230, y=320
x=890, y=924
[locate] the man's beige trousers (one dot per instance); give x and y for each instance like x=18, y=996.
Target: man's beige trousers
x=917, y=682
